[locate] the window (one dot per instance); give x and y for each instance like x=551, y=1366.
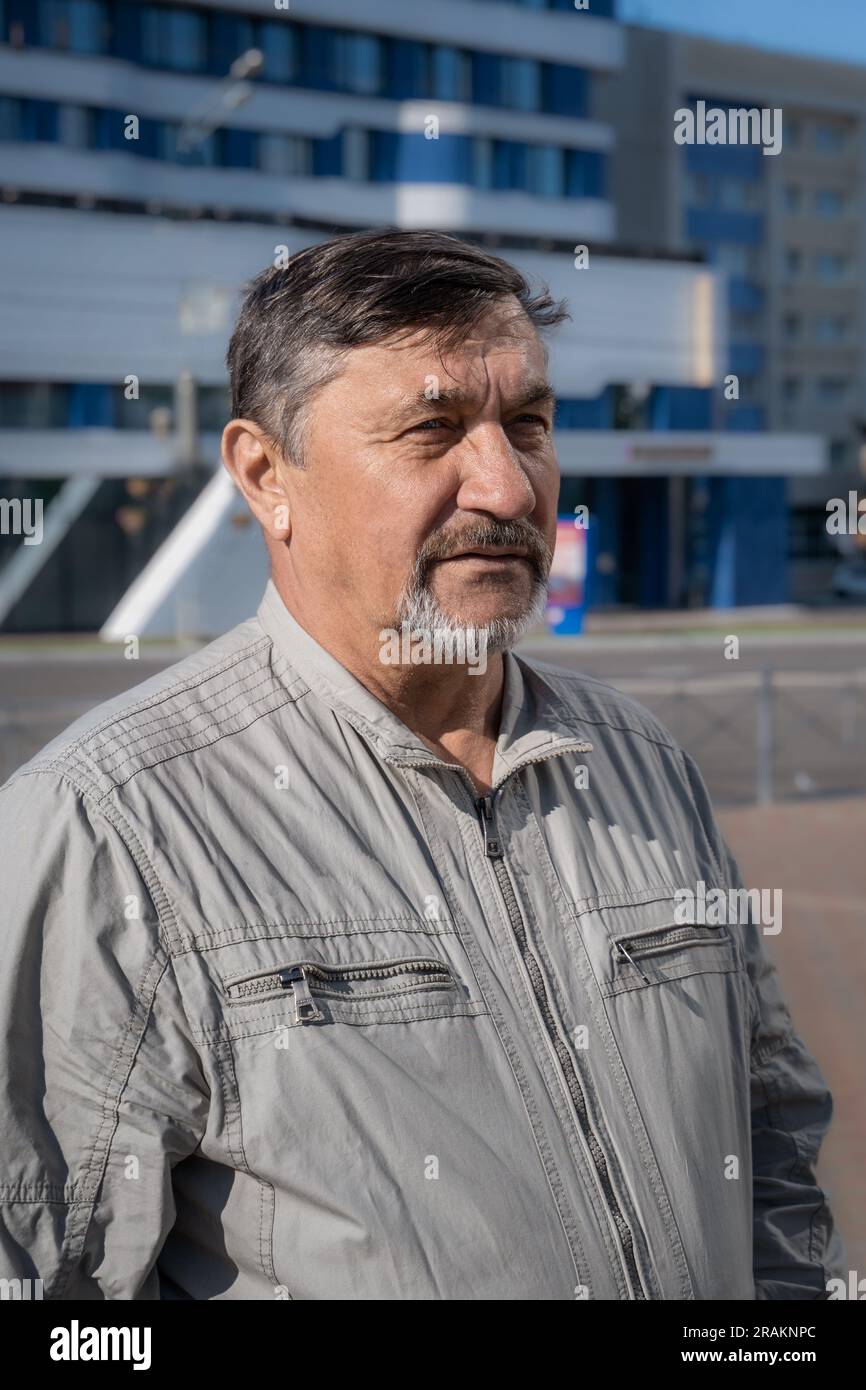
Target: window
x=33, y=405
x=791, y=389
x=585, y=174
x=832, y=328
x=520, y=80
x=173, y=38
x=482, y=163
x=509, y=164
x=792, y=131
x=733, y=258
x=284, y=154
x=793, y=263
x=840, y=457
x=738, y=195
x=792, y=197
x=792, y=325
x=829, y=137
x=356, y=155
x=696, y=189
x=544, y=171
x=745, y=324
x=279, y=44
x=833, y=389
x=10, y=118
x=749, y=387
x=78, y=25
x=565, y=90
x=829, y=202
x=75, y=127
x=831, y=265
x=450, y=74
x=359, y=63
x=135, y=414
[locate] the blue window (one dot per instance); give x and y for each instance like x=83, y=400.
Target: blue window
x=318, y=58
x=509, y=164
x=451, y=75
x=520, y=83
x=679, y=408
x=328, y=156
x=126, y=39
x=593, y=413
x=173, y=38
x=383, y=156
x=238, y=149
x=565, y=90
x=90, y=405
x=10, y=118
x=230, y=36
x=38, y=120
x=407, y=69
x=545, y=170
x=486, y=79
x=585, y=173
x=359, y=63
x=482, y=163
x=406, y=157
x=78, y=25
x=279, y=44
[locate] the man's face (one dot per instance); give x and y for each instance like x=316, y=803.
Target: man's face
x=416, y=461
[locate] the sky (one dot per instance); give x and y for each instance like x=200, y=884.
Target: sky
x=821, y=28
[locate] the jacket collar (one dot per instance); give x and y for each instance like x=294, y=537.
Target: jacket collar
x=535, y=724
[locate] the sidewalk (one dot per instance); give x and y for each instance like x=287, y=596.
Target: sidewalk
x=815, y=851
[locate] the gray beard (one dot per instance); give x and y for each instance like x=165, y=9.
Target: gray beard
x=420, y=611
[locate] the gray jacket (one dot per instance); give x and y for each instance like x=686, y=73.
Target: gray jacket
x=288, y=1011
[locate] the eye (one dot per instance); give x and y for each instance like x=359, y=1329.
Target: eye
x=428, y=426
x=530, y=419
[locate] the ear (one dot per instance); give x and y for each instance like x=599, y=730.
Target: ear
x=258, y=471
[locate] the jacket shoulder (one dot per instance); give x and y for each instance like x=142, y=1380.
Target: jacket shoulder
x=217, y=691
x=594, y=702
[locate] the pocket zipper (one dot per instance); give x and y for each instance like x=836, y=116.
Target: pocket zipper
x=298, y=977
x=665, y=939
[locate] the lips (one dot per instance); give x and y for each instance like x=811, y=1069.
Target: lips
x=491, y=554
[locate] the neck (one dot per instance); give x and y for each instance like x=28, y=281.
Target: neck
x=454, y=709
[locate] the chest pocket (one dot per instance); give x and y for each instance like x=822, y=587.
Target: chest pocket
x=307, y=981
x=319, y=992
x=636, y=946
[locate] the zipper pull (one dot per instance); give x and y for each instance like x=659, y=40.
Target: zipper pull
x=306, y=1007
x=633, y=962
x=492, y=845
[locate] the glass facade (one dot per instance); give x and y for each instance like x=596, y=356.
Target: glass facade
x=186, y=39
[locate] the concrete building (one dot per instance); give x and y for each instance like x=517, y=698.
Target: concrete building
x=141, y=185
x=788, y=231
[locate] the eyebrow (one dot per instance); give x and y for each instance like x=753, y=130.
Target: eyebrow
x=534, y=393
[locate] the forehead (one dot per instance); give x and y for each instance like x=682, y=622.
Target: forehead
x=503, y=344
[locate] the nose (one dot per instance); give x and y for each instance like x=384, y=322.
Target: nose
x=492, y=476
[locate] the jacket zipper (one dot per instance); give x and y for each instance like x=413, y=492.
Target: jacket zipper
x=297, y=978
x=494, y=852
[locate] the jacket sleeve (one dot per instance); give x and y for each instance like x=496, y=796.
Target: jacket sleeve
x=101, y=1087
x=797, y=1247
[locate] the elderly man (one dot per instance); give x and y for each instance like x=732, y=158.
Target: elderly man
x=333, y=973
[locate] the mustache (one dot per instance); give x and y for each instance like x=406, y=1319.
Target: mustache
x=442, y=545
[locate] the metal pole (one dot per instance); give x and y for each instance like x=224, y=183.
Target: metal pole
x=764, y=745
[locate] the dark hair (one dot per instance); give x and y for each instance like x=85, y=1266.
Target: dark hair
x=298, y=320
